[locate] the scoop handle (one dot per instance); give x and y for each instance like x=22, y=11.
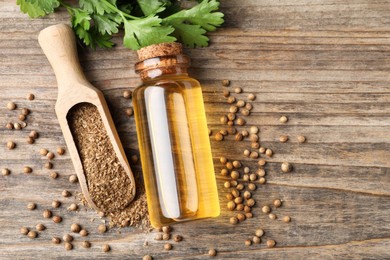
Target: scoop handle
x=59, y=45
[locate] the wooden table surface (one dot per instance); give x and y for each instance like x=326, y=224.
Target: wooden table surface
x=323, y=63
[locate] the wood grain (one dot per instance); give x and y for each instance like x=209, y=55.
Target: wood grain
x=324, y=64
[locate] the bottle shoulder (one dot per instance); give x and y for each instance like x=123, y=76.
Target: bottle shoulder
x=172, y=82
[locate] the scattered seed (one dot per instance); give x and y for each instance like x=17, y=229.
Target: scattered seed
x=56, y=204
x=86, y=244
x=60, y=150
x=259, y=232
x=235, y=175
x=5, y=172
x=75, y=228
x=66, y=193
x=262, y=162
x=233, y=220
x=240, y=186
x=48, y=165
x=168, y=246
x=50, y=155
x=129, y=111
x=247, y=195
x=234, y=183
x=223, y=132
x=57, y=219
x=25, y=111
x=73, y=178
x=256, y=240
x=40, y=227
x=47, y=213
x=241, y=217
x=68, y=246
x=11, y=145
x=283, y=119
x=266, y=209
x=31, y=206
x=229, y=165
x=238, y=200
x=240, y=121
x=147, y=257
x=54, y=175
x=231, y=100
x=269, y=152
x=30, y=140
x=277, y=203
x=231, y=205
x=9, y=126
x=224, y=172
x=27, y=169
x=261, y=172
x=235, y=193
x=261, y=150
x=21, y=117
x=238, y=90
x=43, y=152
x=245, y=112
x=254, y=138
x=32, y=234
x=166, y=236
x=301, y=138
x=218, y=137
x=67, y=238
x=248, y=106
x=227, y=185
x=127, y=94
x=231, y=116
x=229, y=196
x=212, y=252
x=240, y=207
x=233, y=109
x=177, y=238
x=272, y=216
x=102, y=228
x=24, y=230
x=271, y=243
x=254, y=155
x=23, y=124
x=247, y=209
x=230, y=123
x=248, y=242
x=262, y=180
x=286, y=219
x=283, y=138
x=166, y=229
x=17, y=126
x=252, y=186
x=251, y=97
x=240, y=103
x=225, y=82
x=11, y=106
x=55, y=240
x=250, y=202
x=238, y=137
x=245, y=133
x=226, y=93
x=158, y=237
x=255, y=145
x=30, y=96
x=286, y=167
x=223, y=159
x=232, y=130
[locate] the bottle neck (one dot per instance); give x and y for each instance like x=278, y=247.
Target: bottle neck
x=164, y=65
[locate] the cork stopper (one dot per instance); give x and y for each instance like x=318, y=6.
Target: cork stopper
x=160, y=49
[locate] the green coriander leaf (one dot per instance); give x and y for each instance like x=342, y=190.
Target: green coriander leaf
x=191, y=35
x=93, y=39
x=149, y=7
x=96, y=6
x=146, y=31
x=80, y=18
x=37, y=8
x=104, y=24
x=47, y=5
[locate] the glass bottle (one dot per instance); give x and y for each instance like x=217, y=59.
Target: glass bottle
x=173, y=138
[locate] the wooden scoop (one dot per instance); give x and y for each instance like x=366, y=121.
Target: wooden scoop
x=59, y=45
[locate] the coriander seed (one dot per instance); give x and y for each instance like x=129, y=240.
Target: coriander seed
x=245, y=133
x=271, y=243
x=32, y=234
x=17, y=126
x=286, y=219
x=236, y=164
x=43, y=152
x=241, y=217
x=261, y=172
x=57, y=219
x=240, y=186
x=56, y=204
x=67, y=238
x=227, y=185
x=127, y=94
x=60, y=151
x=129, y=111
x=277, y=203
x=261, y=150
x=283, y=119
x=252, y=186
x=262, y=162
x=301, y=138
x=253, y=177
x=68, y=246
x=247, y=209
x=255, y=145
x=168, y=246
x=254, y=155
x=246, y=153
x=231, y=205
x=31, y=206
x=9, y=126
x=248, y=242
x=48, y=165
x=223, y=119
x=231, y=100
x=11, y=145
x=240, y=207
x=231, y=116
x=246, y=170
x=251, y=97
x=5, y=172
x=102, y=228
x=233, y=220
x=25, y=111
x=245, y=177
x=235, y=175
x=225, y=82
x=21, y=117
x=259, y=232
x=86, y=244
x=240, y=103
x=27, y=169
x=254, y=138
x=269, y=152
x=166, y=229
x=224, y=172
x=166, y=236
x=147, y=257
x=223, y=132
x=233, y=109
x=249, y=215
x=218, y=137
x=238, y=90
x=240, y=121
x=247, y=195
x=254, y=130
x=250, y=202
x=238, y=200
x=40, y=227
x=248, y=106
x=11, y=106
x=272, y=216
x=256, y=240
x=212, y=252
x=75, y=228
x=47, y=213
x=266, y=209
x=158, y=237
x=73, y=178
x=229, y=196
x=229, y=165
x=226, y=93
x=232, y=130
x=54, y=175
x=55, y=240
x=177, y=238
x=238, y=137
x=223, y=160
x=30, y=140
x=234, y=183
x=262, y=180
x=286, y=167
x=30, y=96
x=66, y=193
x=235, y=193
x=50, y=155
x=283, y=138
x=24, y=230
